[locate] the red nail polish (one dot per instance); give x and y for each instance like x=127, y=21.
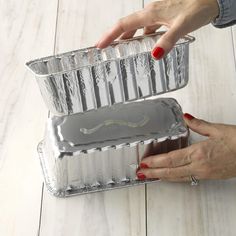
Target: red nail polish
x=188, y=116
x=158, y=53
x=143, y=166
x=141, y=176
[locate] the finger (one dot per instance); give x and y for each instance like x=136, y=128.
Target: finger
x=200, y=126
x=181, y=179
x=128, y=34
x=151, y=29
x=156, y=148
x=134, y=21
x=166, y=42
x=160, y=173
x=168, y=145
x=171, y=159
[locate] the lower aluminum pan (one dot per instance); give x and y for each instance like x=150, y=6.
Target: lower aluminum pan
x=101, y=170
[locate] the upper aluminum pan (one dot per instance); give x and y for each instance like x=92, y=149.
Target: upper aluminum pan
x=91, y=78
x=116, y=126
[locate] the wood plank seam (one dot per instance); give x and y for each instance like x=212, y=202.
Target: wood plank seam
x=54, y=50
x=146, y=209
x=55, y=36
x=145, y=189
x=234, y=46
x=100, y=205
x=41, y=207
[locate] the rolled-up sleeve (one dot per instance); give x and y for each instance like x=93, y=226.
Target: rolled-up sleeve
x=227, y=15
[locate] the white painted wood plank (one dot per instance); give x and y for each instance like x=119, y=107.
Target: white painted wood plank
x=118, y=212
x=209, y=209
x=82, y=24
x=181, y=209
x=27, y=31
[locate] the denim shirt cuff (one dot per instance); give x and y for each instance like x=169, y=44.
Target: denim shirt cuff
x=227, y=15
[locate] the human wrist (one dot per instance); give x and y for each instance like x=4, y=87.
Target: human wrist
x=216, y=9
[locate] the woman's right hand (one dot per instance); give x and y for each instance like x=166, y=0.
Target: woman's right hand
x=180, y=16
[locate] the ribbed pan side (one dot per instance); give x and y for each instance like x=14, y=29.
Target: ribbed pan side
x=88, y=79
x=102, y=170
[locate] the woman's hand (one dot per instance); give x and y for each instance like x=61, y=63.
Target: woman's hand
x=214, y=158
x=180, y=16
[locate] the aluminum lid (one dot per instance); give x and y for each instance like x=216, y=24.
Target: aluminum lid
x=113, y=127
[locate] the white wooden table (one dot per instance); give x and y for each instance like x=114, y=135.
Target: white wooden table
x=31, y=29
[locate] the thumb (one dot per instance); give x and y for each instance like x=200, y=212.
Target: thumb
x=199, y=126
x=167, y=42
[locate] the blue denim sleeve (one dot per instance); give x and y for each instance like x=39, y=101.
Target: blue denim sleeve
x=227, y=16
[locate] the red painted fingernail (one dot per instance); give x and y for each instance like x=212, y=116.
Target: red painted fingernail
x=143, y=166
x=188, y=116
x=158, y=53
x=141, y=176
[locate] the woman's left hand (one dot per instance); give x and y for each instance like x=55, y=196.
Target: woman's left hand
x=179, y=16
x=214, y=158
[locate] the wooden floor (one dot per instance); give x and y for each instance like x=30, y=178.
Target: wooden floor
x=31, y=29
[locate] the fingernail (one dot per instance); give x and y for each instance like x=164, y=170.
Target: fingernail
x=188, y=116
x=158, y=53
x=141, y=176
x=143, y=166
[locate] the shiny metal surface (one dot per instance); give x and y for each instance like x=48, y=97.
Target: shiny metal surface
x=107, y=155
x=91, y=78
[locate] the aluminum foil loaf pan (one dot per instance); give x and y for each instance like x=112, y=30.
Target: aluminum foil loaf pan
x=91, y=78
x=101, y=149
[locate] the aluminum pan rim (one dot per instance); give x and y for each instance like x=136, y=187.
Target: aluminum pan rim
x=188, y=39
